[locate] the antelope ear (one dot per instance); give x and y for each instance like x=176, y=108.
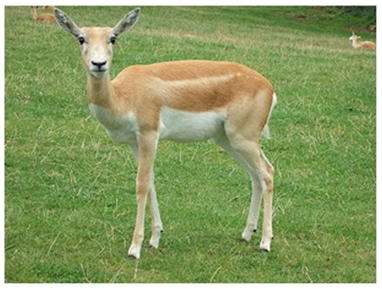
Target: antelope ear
x=126, y=22
x=66, y=23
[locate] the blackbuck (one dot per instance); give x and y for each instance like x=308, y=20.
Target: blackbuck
x=183, y=101
x=364, y=44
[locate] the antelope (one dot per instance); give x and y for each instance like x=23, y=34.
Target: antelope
x=364, y=44
x=183, y=101
x=42, y=17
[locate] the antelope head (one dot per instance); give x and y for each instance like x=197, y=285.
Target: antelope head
x=97, y=43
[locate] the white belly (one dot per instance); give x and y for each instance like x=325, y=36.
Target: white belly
x=175, y=125
x=184, y=126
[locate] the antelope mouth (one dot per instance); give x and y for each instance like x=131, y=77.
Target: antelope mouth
x=98, y=73
x=96, y=69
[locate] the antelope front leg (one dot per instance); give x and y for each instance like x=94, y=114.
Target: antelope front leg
x=156, y=222
x=135, y=248
x=147, y=149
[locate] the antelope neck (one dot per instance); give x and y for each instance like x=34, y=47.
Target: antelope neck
x=99, y=90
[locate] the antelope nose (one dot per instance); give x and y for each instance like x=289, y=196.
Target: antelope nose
x=99, y=64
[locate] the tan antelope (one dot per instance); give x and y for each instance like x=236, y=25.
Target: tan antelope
x=364, y=44
x=42, y=17
x=183, y=101
x=50, y=7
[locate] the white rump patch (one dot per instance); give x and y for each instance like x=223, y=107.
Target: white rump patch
x=266, y=132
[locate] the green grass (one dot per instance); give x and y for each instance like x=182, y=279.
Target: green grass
x=69, y=190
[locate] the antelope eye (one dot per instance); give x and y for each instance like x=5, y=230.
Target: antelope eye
x=81, y=40
x=113, y=39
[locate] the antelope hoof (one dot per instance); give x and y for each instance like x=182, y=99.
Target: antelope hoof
x=134, y=253
x=149, y=246
x=246, y=236
x=265, y=246
x=132, y=257
x=245, y=240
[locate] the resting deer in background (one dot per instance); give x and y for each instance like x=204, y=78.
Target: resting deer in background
x=364, y=44
x=42, y=17
x=184, y=101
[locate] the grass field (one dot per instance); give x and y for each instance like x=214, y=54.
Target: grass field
x=69, y=190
